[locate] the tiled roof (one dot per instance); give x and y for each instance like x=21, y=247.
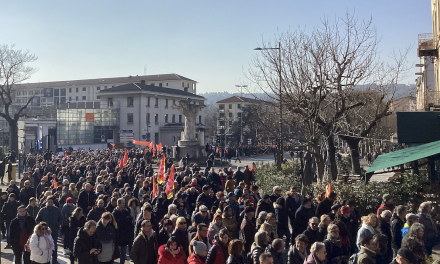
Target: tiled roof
x=240, y=99
x=149, y=88
x=104, y=81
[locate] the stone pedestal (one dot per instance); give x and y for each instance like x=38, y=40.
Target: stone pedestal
x=192, y=147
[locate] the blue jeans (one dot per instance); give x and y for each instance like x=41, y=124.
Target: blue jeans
x=123, y=252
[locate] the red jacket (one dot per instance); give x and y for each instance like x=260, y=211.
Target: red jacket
x=165, y=257
x=194, y=259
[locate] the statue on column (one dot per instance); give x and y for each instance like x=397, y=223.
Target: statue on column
x=189, y=109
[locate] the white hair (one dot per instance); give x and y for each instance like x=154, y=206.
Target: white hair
x=317, y=246
x=172, y=206
x=386, y=213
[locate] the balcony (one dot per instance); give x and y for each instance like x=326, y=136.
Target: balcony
x=427, y=100
x=427, y=46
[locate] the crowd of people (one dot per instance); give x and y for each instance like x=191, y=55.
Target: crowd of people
x=100, y=210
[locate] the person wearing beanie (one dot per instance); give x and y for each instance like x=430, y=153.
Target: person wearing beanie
x=248, y=228
x=66, y=212
x=199, y=254
x=387, y=204
x=230, y=222
x=410, y=220
x=201, y=236
x=352, y=226
x=9, y=212
x=192, y=230
x=265, y=204
x=232, y=202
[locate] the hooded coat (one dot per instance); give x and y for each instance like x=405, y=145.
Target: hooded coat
x=302, y=217
x=165, y=257
x=83, y=244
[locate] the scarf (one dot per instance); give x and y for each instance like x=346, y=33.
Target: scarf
x=303, y=256
x=369, y=228
x=22, y=220
x=336, y=241
x=173, y=252
x=48, y=242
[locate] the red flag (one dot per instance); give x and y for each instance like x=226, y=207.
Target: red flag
x=123, y=161
x=55, y=184
x=154, y=187
x=161, y=175
x=159, y=146
x=112, y=144
x=328, y=190
x=170, y=184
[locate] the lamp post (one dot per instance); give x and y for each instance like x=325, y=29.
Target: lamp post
x=241, y=118
x=280, y=137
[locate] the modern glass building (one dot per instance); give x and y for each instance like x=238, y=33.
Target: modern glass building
x=84, y=123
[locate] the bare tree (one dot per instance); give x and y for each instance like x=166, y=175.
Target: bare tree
x=320, y=70
x=14, y=70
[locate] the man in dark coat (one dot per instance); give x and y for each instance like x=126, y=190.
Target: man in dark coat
x=86, y=199
x=312, y=232
x=239, y=175
x=302, y=216
x=87, y=245
x=325, y=206
x=248, y=228
x=9, y=211
x=276, y=194
x=265, y=204
x=293, y=202
x=205, y=197
x=145, y=248
x=21, y=228
x=26, y=193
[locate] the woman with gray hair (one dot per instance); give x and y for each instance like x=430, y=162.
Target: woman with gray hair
x=318, y=254
x=431, y=230
x=259, y=246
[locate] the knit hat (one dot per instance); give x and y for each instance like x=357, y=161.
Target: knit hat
x=12, y=195
x=65, y=182
x=265, y=196
x=345, y=209
x=249, y=209
x=198, y=218
x=199, y=247
x=386, y=197
x=411, y=217
x=306, y=201
x=231, y=194
x=407, y=254
x=69, y=199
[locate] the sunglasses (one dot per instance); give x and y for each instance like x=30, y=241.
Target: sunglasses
x=182, y=223
x=313, y=224
x=204, y=211
x=335, y=231
x=44, y=229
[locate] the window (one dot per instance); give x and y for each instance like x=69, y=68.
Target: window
x=167, y=84
x=174, y=102
x=70, y=99
x=183, y=84
x=166, y=118
x=230, y=106
x=98, y=97
x=239, y=115
x=222, y=115
x=77, y=89
x=173, y=119
x=160, y=84
x=148, y=136
x=110, y=101
x=152, y=84
x=130, y=117
x=84, y=89
x=156, y=118
x=84, y=98
x=157, y=102
x=129, y=101
x=63, y=92
x=239, y=106
x=76, y=98
x=105, y=87
x=156, y=137
x=221, y=123
x=148, y=118
x=56, y=92
x=200, y=119
x=230, y=123
x=70, y=90
x=24, y=92
x=221, y=106
x=98, y=88
x=148, y=101
x=230, y=115
x=185, y=89
x=166, y=103
x=180, y=118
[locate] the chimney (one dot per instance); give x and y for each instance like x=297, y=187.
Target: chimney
x=143, y=82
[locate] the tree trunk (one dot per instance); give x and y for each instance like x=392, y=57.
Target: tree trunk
x=331, y=150
x=13, y=136
x=353, y=144
x=320, y=165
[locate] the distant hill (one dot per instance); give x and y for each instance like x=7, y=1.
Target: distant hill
x=211, y=98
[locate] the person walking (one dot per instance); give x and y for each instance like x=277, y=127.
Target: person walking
x=144, y=250
x=125, y=229
x=298, y=251
x=76, y=222
x=219, y=251
x=41, y=244
x=53, y=217
x=66, y=212
x=182, y=235
x=86, y=246
x=9, y=212
x=170, y=253
x=21, y=228
x=259, y=246
x=235, y=250
x=397, y=223
x=318, y=254
x=199, y=254
x=105, y=231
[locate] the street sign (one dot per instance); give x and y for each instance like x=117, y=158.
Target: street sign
x=144, y=136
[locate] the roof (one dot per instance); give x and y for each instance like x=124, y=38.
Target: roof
x=240, y=99
x=104, y=81
x=405, y=155
x=149, y=88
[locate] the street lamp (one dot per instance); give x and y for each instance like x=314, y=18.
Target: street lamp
x=280, y=140
x=241, y=118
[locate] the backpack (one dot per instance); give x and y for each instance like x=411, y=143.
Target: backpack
x=354, y=258
x=27, y=247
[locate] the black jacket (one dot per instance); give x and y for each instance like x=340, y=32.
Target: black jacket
x=15, y=229
x=282, y=217
x=263, y=206
x=293, y=256
x=144, y=250
x=86, y=199
x=9, y=211
x=324, y=207
x=105, y=233
x=25, y=195
x=248, y=231
x=277, y=257
x=233, y=260
x=312, y=236
x=96, y=214
x=75, y=225
x=182, y=239
x=302, y=219
x=83, y=244
x=163, y=237
x=125, y=227
x=292, y=205
x=396, y=232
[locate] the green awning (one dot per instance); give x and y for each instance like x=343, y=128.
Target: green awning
x=405, y=155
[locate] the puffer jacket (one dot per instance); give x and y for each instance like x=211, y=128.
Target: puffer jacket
x=165, y=257
x=217, y=254
x=107, y=237
x=194, y=259
x=75, y=225
x=256, y=252
x=38, y=246
x=213, y=230
x=293, y=256
x=231, y=225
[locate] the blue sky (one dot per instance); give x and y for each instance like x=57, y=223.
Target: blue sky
x=208, y=41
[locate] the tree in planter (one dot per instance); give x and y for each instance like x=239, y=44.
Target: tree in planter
x=320, y=70
x=14, y=69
